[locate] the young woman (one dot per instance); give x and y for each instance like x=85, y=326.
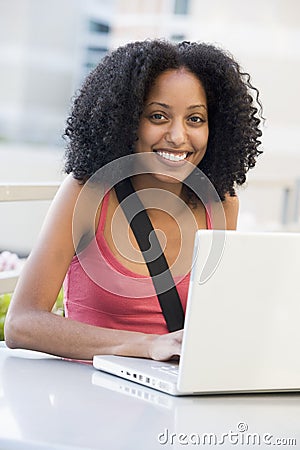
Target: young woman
x=175, y=108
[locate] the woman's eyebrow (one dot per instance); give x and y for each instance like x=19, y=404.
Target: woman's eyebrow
x=164, y=105
x=197, y=106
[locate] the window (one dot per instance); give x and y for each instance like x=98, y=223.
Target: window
x=178, y=37
x=94, y=55
x=97, y=42
x=98, y=27
x=181, y=6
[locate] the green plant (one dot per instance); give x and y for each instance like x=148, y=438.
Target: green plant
x=4, y=303
x=58, y=307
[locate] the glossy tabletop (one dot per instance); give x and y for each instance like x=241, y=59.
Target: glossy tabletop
x=50, y=403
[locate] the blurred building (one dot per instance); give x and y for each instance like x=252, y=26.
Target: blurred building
x=46, y=48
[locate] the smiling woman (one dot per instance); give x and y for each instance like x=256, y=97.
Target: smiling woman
x=177, y=112
x=174, y=122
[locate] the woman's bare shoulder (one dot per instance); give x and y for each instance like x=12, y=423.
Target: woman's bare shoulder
x=80, y=200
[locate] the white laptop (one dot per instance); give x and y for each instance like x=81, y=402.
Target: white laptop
x=242, y=324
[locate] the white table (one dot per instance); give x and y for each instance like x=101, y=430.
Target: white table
x=49, y=403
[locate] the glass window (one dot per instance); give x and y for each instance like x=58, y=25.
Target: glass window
x=98, y=27
x=181, y=6
x=94, y=55
x=178, y=37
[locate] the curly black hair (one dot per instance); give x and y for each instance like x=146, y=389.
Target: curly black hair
x=105, y=115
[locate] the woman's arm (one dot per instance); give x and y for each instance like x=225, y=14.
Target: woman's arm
x=231, y=210
x=30, y=323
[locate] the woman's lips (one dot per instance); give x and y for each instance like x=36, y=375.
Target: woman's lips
x=172, y=158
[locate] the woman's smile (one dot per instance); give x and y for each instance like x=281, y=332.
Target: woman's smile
x=168, y=156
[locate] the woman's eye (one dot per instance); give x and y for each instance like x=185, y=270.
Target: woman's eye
x=157, y=116
x=196, y=119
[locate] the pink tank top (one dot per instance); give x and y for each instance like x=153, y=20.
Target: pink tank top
x=100, y=291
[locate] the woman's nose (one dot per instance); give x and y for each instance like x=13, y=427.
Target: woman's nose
x=176, y=133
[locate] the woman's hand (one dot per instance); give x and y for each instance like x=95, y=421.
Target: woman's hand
x=166, y=346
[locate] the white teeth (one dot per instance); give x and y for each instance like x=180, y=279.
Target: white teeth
x=172, y=156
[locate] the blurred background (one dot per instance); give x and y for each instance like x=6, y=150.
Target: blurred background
x=47, y=47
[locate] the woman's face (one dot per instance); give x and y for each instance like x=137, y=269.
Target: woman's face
x=174, y=122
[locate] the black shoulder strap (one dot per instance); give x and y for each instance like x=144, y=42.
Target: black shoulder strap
x=154, y=257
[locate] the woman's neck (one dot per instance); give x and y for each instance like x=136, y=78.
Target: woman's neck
x=148, y=181
x=160, y=197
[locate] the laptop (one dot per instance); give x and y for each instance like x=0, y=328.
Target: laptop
x=242, y=324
